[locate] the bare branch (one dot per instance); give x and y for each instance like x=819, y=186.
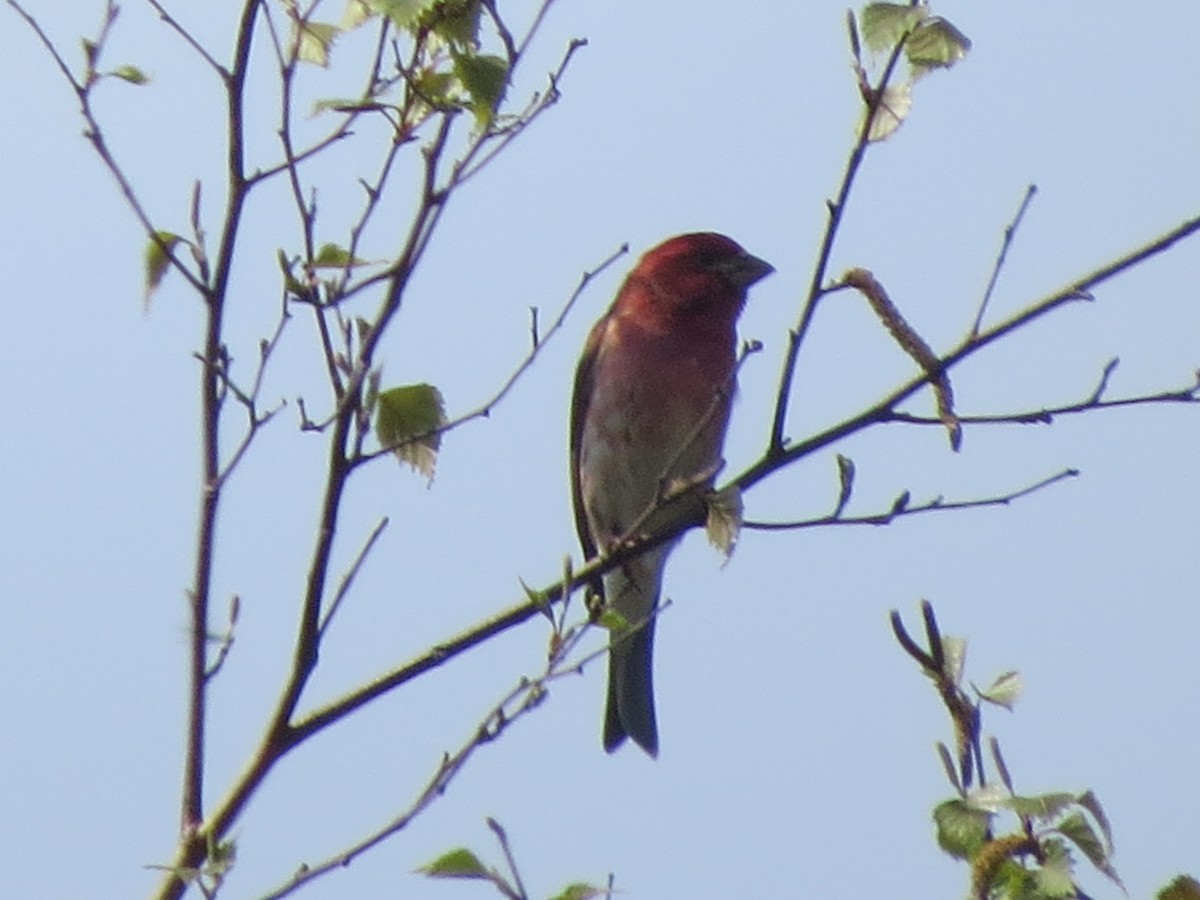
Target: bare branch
x=1009, y=234
x=526, y=696
x=348, y=579
x=937, y=504
x=837, y=208
x=484, y=410
x=776, y=457
x=226, y=639
x=1046, y=415
x=188, y=38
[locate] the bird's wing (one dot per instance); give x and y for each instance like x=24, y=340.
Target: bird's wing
x=579, y=410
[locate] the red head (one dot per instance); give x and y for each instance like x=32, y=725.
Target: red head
x=700, y=273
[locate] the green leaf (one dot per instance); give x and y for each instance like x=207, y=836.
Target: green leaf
x=132, y=74
x=890, y=113
x=1185, y=887
x=612, y=620
x=990, y=799
x=332, y=256
x=724, y=522
x=845, y=482
x=936, y=44
x=1089, y=801
x=459, y=863
x=290, y=283
x=157, y=259
x=316, y=41
x=579, y=891
x=355, y=13
x=406, y=421
x=1004, y=691
x=485, y=79
x=1077, y=829
x=954, y=651
x=883, y=24
x=1055, y=877
x=403, y=13
x=1012, y=881
x=454, y=21
x=961, y=829
x=1043, y=807
x=347, y=104
x=436, y=90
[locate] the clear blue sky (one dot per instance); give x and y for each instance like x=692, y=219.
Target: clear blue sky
x=797, y=739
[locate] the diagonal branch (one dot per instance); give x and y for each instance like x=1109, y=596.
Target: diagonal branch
x=900, y=510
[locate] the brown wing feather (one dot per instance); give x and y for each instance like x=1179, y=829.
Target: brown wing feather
x=579, y=411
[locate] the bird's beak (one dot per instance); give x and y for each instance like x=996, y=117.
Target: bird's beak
x=744, y=270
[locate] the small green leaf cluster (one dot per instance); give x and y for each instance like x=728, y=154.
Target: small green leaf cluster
x=926, y=41
x=1019, y=847
x=445, y=70
x=462, y=863
x=1034, y=860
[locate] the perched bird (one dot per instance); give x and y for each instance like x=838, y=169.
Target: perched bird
x=648, y=417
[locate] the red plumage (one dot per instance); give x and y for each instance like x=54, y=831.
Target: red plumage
x=650, y=408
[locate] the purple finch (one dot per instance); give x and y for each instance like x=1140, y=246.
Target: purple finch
x=648, y=418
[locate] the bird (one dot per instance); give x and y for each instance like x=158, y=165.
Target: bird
x=649, y=412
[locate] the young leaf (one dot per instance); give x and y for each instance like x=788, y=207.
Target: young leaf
x=1077, y=829
x=158, y=259
x=406, y=421
x=612, y=620
x=883, y=24
x=1089, y=801
x=724, y=522
x=485, y=79
x=990, y=799
x=455, y=21
x=403, y=13
x=891, y=112
x=936, y=44
x=290, y=283
x=846, y=483
x=349, y=105
x=132, y=74
x=332, y=256
x=1004, y=691
x=316, y=40
x=458, y=863
x=1043, y=807
x=1054, y=878
x=1185, y=887
x=355, y=13
x=954, y=651
x=579, y=891
x=961, y=830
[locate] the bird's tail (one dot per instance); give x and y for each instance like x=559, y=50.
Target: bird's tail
x=630, y=709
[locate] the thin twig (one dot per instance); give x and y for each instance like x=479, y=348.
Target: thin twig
x=937, y=504
x=883, y=410
x=189, y=38
x=484, y=409
x=1046, y=415
x=1009, y=233
x=522, y=699
x=502, y=838
x=837, y=209
x=348, y=578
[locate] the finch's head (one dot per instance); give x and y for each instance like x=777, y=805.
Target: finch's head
x=700, y=272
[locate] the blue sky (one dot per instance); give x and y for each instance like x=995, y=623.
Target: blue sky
x=797, y=740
